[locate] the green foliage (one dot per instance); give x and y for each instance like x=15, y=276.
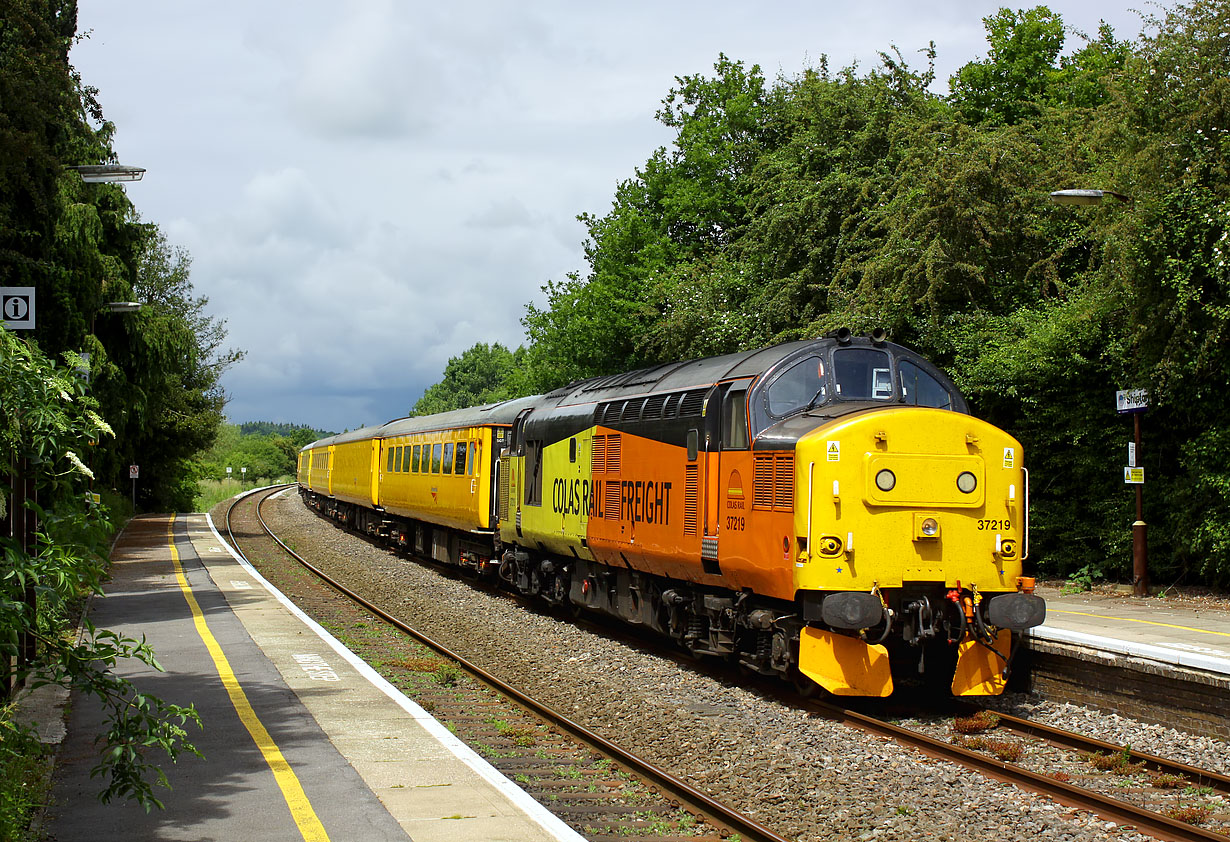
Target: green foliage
x=46, y=419
x=786, y=209
x=24, y=776
x=266, y=454
x=482, y=374
x=155, y=373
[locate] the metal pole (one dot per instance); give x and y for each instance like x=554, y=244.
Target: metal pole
x=1140, y=543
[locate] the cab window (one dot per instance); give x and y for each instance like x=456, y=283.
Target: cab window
x=800, y=386
x=862, y=374
x=734, y=418
x=435, y=457
x=918, y=388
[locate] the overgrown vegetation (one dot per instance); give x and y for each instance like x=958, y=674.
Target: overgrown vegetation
x=786, y=208
x=155, y=372
x=47, y=422
x=93, y=389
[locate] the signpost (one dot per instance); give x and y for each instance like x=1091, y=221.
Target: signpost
x=1134, y=402
x=134, y=471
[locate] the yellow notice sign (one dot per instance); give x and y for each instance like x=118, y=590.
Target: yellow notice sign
x=834, y=451
x=1134, y=476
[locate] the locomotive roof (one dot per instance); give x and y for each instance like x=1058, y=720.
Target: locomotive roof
x=504, y=412
x=678, y=375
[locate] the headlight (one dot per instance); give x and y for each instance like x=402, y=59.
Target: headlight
x=929, y=527
x=886, y=480
x=967, y=482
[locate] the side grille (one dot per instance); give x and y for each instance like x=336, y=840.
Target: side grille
x=612, y=505
x=599, y=455
x=773, y=482
x=691, y=499
x=502, y=503
x=614, y=454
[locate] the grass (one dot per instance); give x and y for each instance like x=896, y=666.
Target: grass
x=211, y=492
x=1006, y=750
x=983, y=720
x=1189, y=814
x=24, y=779
x=1119, y=762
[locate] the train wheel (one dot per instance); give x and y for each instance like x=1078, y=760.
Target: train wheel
x=803, y=685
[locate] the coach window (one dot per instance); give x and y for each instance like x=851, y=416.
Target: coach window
x=734, y=417
x=447, y=465
x=414, y=461
x=388, y=469
x=918, y=388
x=435, y=457
x=405, y=459
x=862, y=374
x=397, y=460
x=473, y=462
x=798, y=387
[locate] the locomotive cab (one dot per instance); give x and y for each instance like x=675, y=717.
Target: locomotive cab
x=912, y=524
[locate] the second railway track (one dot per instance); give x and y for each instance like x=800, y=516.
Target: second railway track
x=799, y=789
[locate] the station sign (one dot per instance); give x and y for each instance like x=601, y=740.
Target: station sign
x=1134, y=476
x=1131, y=400
x=17, y=307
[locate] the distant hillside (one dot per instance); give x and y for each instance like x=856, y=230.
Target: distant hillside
x=268, y=428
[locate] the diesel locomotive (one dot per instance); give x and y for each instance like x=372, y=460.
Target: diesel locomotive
x=825, y=510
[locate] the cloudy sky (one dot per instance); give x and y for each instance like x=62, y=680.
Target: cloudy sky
x=369, y=188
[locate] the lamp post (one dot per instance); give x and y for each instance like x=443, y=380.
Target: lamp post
x=1140, y=540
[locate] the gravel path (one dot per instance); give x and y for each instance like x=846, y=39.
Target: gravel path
x=806, y=777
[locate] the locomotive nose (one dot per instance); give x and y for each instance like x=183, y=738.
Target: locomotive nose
x=909, y=495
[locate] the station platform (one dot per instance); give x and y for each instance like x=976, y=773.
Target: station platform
x=1147, y=628
x=301, y=740
x=1145, y=657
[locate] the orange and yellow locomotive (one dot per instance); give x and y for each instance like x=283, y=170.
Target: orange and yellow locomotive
x=826, y=510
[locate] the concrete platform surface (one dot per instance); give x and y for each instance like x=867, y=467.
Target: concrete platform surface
x=1140, y=627
x=301, y=739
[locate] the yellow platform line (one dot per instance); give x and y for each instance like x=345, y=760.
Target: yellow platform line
x=296, y=799
x=1134, y=620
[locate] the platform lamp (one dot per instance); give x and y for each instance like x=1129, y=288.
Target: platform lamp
x=99, y=173
x=1140, y=540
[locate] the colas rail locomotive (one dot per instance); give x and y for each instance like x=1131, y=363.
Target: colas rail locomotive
x=825, y=510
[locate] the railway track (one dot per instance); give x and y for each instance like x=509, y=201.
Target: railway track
x=604, y=792
x=577, y=800
x=1119, y=810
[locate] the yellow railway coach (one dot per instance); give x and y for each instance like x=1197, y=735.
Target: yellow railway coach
x=424, y=483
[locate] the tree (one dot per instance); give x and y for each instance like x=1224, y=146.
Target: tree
x=481, y=374
x=1010, y=84
x=686, y=205
x=46, y=422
